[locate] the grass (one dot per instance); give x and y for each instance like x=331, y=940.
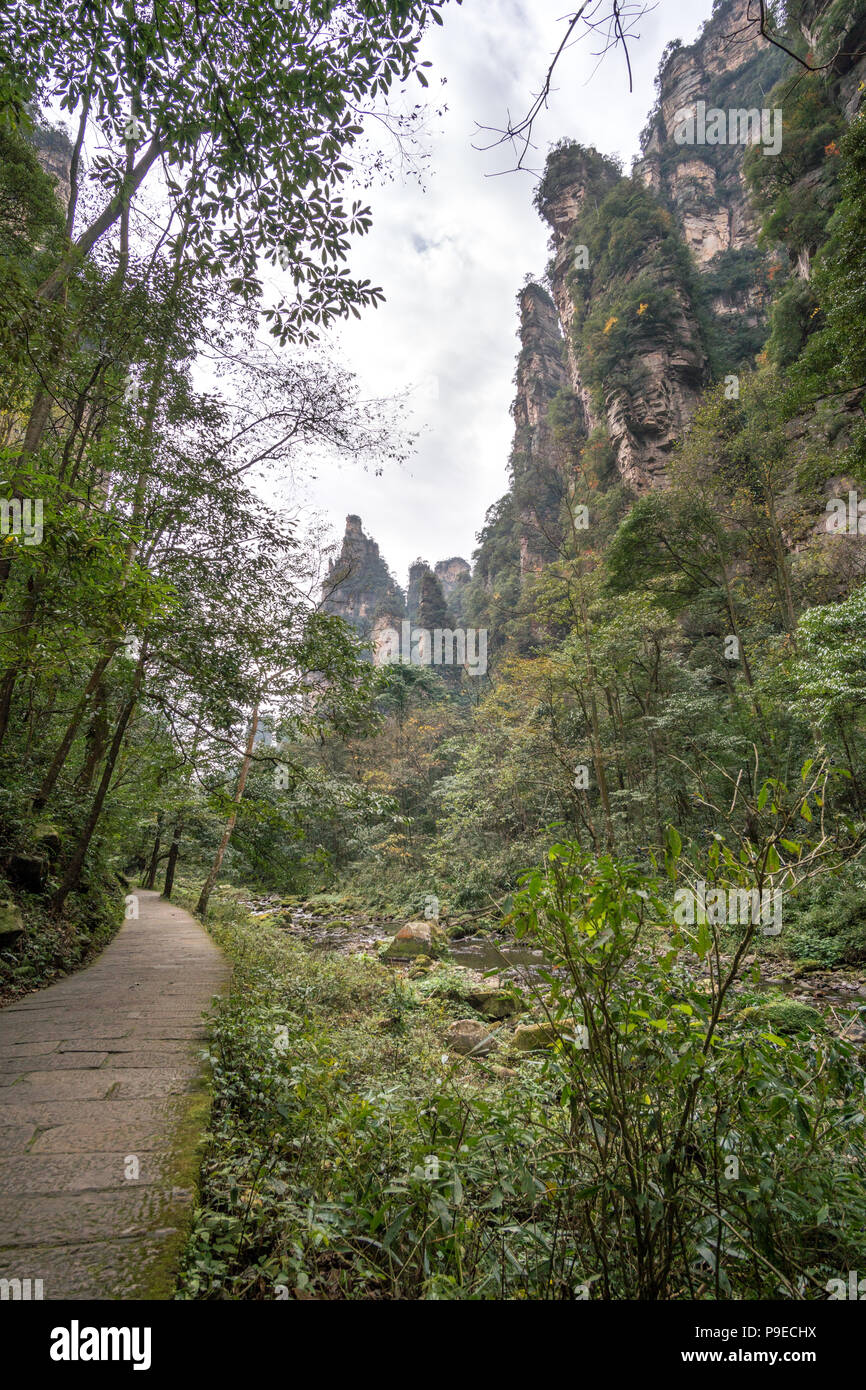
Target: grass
x=348, y=1158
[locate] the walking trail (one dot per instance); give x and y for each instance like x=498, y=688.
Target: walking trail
x=102, y=1104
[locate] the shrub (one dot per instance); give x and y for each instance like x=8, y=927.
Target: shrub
x=829, y=919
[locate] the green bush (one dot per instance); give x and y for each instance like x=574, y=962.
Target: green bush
x=828, y=920
x=695, y=1135
x=347, y=1160
x=792, y=318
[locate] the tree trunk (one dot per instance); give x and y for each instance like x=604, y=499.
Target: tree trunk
x=173, y=853
x=781, y=560
x=70, y=878
x=207, y=888
x=177, y=832
x=95, y=741
x=75, y=161
x=598, y=753
x=150, y=877
x=52, y=287
x=7, y=688
x=72, y=729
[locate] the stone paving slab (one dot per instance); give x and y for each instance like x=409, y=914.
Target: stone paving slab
x=63, y=1084
x=132, y=1137
x=69, y=1217
x=117, y=1269
x=53, y=1173
x=11, y=1071
x=15, y=1139
x=117, y=1047
x=102, y=1101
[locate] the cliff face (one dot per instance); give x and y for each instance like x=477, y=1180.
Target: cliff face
x=705, y=186
x=571, y=178
x=417, y=571
x=55, y=155
x=453, y=574
x=733, y=69
x=694, y=244
x=836, y=34
x=675, y=247
x=646, y=403
x=440, y=587
x=360, y=588
x=657, y=286
x=537, y=463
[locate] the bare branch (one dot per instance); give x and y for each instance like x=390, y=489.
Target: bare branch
x=614, y=20
x=763, y=22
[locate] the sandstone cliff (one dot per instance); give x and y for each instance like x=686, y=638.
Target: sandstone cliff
x=660, y=368
x=661, y=283
x=359, y=586
x=361, y=589
x=55, y=155
x=647, y=404
x=538, y=465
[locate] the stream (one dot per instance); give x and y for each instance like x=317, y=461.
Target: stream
x=352, y=936
x=840, y=993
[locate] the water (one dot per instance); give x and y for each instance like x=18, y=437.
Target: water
x=479, y=953
x=843, y=997
x=483, y=954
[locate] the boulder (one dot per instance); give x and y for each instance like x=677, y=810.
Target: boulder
x=529, y=1037
x=493, y=1002
x=416, y=939
x=470, y=1038
x=423, y=965
x=47, y=839
x=784, y=1016
x=28, y=871
x=11, y=923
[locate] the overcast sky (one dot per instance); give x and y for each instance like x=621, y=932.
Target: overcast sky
x=452, y=256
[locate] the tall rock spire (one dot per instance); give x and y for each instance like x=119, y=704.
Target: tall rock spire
x=538, y=466
x=359, y=586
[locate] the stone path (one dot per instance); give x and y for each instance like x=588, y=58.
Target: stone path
x=100, y=1080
